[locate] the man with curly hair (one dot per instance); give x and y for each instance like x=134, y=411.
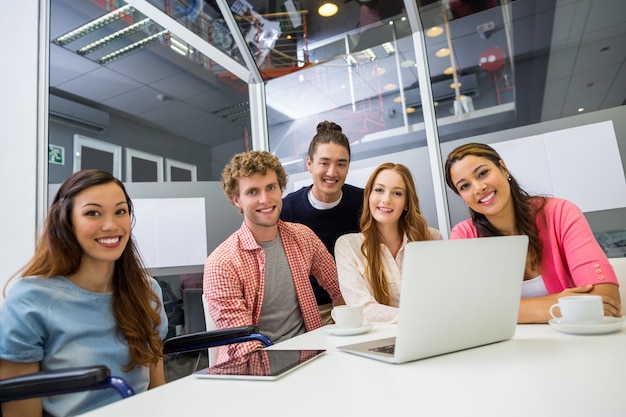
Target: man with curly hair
x=260, y=275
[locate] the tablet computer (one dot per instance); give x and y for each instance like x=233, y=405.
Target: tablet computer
x=262, y=365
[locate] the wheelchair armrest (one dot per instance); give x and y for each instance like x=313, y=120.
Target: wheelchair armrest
x=62, y=381
x=213, y=338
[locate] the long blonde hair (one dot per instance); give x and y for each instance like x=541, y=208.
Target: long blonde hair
x=411, y=223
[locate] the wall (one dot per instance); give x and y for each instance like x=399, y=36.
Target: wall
x=221, y=154
x=600, y=221
x=416, y=159
x=129, y=134
x=19, y=135
x=222, y=218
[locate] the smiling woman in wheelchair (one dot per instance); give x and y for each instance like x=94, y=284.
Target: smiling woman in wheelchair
x=83, y=299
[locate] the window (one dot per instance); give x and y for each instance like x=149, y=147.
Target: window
x=92, y=153
x=143, y=167
x=179, y=171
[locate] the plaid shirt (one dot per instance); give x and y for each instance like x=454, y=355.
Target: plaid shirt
x=234, y=277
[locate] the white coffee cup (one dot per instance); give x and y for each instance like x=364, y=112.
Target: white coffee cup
x=347, y=316
x=580, y=309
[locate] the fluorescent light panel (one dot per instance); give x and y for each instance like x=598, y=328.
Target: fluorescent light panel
x=94, y=25
x=132, y=47
x=107, y=40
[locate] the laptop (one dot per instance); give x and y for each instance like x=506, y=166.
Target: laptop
x=455, y=295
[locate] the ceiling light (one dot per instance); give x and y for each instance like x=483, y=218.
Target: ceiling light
x=107, y=40
x=448, y=71
x=443, y=52
x=410, y=109
x=581, y=109
x=388, y=47
x=408, y=63
x=390, y=86
x=369, y=54
x=350, y=60
x=455, y=85
x=132, y=47
x=178, y=46
x=379, y=71
x=94, y=25
x=398, y=99
x=328, y=9
x=434, y=31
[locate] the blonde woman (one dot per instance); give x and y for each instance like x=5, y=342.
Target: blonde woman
x=369, y=264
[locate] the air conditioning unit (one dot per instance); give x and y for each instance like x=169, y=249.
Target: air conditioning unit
x=78, y=115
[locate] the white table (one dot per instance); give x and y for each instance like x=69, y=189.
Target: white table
x=540, y=372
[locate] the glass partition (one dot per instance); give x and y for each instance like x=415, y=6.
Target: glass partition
x=549, y=97
x=499, y=71
x=120, y=77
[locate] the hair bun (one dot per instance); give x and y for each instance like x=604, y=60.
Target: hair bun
x=327, y=126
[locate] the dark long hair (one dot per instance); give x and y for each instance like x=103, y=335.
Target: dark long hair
x=58, y=252
x=411, y=223
x=528, y=209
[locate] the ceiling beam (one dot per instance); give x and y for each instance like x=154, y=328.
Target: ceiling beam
x=167, y=22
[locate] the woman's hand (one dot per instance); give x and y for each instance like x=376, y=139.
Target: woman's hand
x=537, y=309
x=610, y=298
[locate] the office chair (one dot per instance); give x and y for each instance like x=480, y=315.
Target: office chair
x=65, y=381
x=194, y=311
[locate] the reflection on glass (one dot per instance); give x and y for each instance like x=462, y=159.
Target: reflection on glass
x=361, y=88
x=118, y=76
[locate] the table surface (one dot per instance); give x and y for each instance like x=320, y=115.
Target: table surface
x=539, y=372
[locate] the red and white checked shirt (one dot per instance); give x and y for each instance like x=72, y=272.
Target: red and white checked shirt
x=234, y=277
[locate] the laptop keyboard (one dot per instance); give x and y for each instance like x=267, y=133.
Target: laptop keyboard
x=384, y=349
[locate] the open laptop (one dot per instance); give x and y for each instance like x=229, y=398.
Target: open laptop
x=455, y=295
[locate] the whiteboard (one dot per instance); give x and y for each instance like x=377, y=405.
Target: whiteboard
x=580, y=164
x=170, y=232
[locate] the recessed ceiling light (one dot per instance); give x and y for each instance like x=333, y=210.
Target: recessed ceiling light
x=328, y=9
x=581, y=109
x=434, y=31
x=379, y=71
x=443, y=52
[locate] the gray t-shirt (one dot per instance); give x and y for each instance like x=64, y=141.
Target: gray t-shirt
x=281, y=318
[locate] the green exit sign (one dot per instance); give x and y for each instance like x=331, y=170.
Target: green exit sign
x=56, y=154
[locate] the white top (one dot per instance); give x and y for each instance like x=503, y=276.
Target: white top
x=320, y=205
x=351, y=274
x=533, y=374
x=534, y=287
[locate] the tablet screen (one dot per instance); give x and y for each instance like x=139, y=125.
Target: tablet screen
x=261, y=364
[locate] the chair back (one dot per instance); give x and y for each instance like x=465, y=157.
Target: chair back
x=194, y=311
x=619, y=265
x=210, y=325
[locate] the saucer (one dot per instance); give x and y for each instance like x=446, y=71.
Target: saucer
x=608, y=325
x=334, y=330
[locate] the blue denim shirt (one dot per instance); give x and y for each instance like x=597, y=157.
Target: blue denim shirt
x=56, y=323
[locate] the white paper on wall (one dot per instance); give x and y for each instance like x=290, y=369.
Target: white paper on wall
x=580, y=164
x=170, y=232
